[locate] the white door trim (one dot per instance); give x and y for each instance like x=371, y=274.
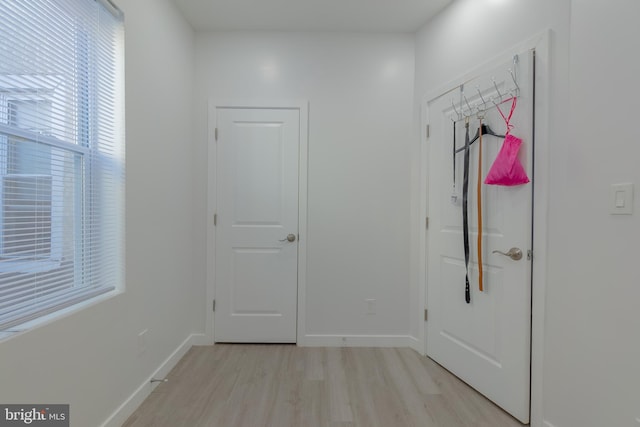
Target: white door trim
x=303, y=107
x=541, y=43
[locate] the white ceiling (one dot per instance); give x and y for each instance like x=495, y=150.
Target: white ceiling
x=310, y=15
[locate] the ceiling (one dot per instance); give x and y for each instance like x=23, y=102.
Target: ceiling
x=310, y=15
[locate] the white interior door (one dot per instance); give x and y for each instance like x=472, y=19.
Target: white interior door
x=486, y=342
x=257, y=225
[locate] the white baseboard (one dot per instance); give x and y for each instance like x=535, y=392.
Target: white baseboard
x=127, y=408
x=355, y=341
x=416, y=345
x=199, y=339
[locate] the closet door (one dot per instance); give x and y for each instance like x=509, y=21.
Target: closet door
x=487, y=341
x=256, y=263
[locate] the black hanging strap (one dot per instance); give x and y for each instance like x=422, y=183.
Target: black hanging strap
x=454, y=154
x=465, y=218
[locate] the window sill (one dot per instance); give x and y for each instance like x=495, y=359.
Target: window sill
x=34, y=324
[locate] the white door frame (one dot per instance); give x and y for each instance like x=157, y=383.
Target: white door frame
x=541, y=44
x=303, y=107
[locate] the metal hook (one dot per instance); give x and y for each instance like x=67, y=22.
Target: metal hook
x=493, y=79
x=456, y=110
x=513, y=77
x=467, y=102
x=484, y=103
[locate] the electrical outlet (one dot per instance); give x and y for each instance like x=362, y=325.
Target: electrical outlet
x=371, y=305
x=142, y=342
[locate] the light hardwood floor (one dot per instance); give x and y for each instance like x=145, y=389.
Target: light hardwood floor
x=229, y=385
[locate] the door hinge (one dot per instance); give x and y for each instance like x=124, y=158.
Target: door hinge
x=216, y=133
x=215, y=219
x=426, y=316
x=214, y=305
x=428, y=131
x=529, y=255
x=426, y=223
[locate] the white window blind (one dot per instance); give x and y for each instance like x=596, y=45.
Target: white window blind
x=61, y=155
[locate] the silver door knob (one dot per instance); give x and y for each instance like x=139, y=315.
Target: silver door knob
x=514, y=253
x=290, y=238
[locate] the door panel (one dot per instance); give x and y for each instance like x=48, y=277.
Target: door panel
x=487, y=342
x=256, y=266
x=258, y=175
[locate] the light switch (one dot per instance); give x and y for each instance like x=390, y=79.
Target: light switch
x=621, y=199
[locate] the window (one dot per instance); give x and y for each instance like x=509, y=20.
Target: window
x=61, y=155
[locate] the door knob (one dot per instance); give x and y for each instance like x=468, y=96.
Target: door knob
x=514, y=253
x=289, y=238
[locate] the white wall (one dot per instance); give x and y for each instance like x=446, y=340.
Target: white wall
x=90, y=359
x=360, y=90
x=592, y=375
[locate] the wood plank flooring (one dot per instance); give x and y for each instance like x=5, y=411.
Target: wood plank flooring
x=233, y=385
